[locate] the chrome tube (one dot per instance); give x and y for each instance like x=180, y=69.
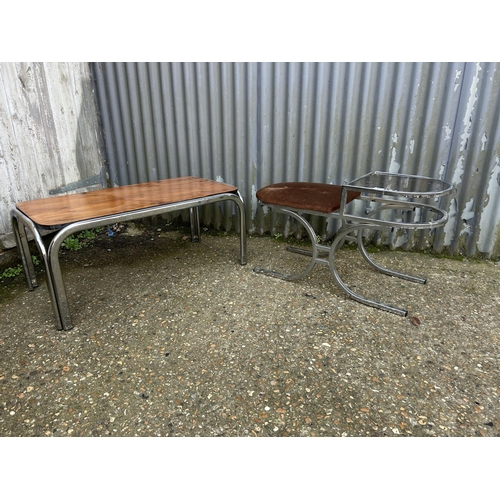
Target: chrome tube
x=379, y=305
x=313, y=253
x=46, y=261
x=238, y=200
x=383, y=269
x=194, y=221
x=24, y=251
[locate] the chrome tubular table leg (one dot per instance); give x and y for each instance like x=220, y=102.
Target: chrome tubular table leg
x=194, y=220
x=59, y=289
x=336, y=242
x=364, y=253
x=313, y=254
x=22, y=221
x=24, y=251
x=383, y=269
x=238, y=200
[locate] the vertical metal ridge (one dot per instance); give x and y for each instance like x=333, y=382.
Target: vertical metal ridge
x=158, y=122
x=148, y=124
x=139, y=172
x=204, y=112
x=108, y=129
x=241, y=119
x=178, y=121
x=214, y=103
x=192, y=129
x=168, y=112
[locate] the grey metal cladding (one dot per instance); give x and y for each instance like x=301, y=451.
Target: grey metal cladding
x=251, y=124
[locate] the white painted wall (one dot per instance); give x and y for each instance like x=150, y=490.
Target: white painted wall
x=49, y=134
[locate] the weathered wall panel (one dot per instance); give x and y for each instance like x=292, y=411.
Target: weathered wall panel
x=474, y=166
x=49, y=134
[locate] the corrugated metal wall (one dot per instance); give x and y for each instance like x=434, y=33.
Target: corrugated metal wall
x=49, y=134
x=474, y=164
x=251, y=124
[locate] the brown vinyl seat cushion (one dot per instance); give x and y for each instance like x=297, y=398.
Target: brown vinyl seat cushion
x=312, y=196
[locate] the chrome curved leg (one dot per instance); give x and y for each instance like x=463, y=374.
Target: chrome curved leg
x=194, y=221
x=24, y=251
x=59, y=287
x=23, y=221
x=313, y=254
x=336, y=243
x=383, y=269
x=238, y=200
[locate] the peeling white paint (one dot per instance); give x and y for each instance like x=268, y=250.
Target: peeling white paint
x=447, y=131
x=442, y=170
x=412, y=145
x=457, y=175
x=418, y=215
x=467, y=121
x=255, y=202
x=458, y=74
x=468, y=212
x=219, y=179
x=394, y=166
x=401, y=240
x=467, y=215
x=449, y=228
x=484, y=140
x=488, y=225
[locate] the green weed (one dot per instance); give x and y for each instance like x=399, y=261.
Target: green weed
x=81, y=240
x=12, y=272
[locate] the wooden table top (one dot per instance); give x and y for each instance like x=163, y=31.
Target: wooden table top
x=69, y=208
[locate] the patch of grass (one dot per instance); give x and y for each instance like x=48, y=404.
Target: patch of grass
x=12, y=272
x=81, y=240
x=72, y=243
x=443, y=254
x=371, y=248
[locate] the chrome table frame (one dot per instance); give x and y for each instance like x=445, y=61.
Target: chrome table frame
x=401, y=192
x=50, y=255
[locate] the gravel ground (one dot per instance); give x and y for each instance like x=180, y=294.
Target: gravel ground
x=173, y=338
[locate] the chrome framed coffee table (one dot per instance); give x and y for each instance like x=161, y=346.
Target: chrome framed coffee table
x=71, y=213
x=406, y=195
